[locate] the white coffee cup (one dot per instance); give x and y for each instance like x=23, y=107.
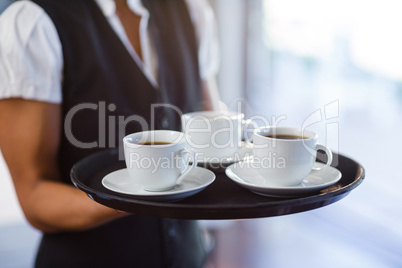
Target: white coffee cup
x=285, y=155
x=214, y=134
x=158, y=160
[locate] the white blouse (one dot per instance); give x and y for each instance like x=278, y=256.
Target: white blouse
x=31, y=61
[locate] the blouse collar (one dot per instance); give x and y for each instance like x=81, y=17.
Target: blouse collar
x=108, y=7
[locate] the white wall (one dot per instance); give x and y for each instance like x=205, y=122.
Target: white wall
x=10, y=211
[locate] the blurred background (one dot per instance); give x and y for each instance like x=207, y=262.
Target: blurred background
x=331, y=66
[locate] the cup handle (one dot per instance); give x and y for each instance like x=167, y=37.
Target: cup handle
x=246, y=138
x=193, y=156
x=327, y=152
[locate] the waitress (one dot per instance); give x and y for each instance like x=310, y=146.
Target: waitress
x=56, y=55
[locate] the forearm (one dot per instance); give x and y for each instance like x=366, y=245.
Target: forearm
x=29, y=140
x=54, y=206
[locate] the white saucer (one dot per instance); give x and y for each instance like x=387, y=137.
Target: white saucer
x=245, y=152
x=119, y=181
x=243, y=174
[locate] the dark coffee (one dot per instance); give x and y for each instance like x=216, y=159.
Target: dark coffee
x=155, y=143
x=286, y=137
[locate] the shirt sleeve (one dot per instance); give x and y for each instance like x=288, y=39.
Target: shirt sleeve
x=31, y=59
x=204, y=22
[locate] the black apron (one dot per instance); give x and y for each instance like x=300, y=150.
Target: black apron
x=101, y=82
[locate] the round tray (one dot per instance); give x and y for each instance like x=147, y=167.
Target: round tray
x=223, y=199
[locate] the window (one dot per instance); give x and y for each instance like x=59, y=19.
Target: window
x=335, y=67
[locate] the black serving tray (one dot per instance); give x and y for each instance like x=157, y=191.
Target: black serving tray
x=223, y=199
